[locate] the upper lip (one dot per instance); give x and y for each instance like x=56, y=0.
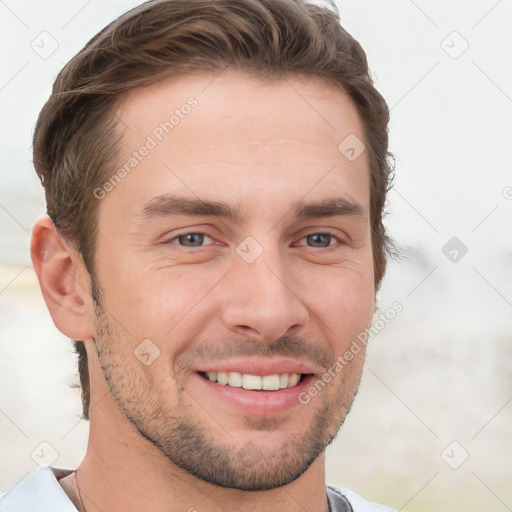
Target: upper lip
x=260, y=366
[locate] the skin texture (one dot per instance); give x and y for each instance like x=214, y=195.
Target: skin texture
x=160, y=438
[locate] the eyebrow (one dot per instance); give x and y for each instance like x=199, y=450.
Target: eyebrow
x=330, y=207
x=171, y=204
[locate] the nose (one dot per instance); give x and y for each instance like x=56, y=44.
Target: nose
x=260, y=301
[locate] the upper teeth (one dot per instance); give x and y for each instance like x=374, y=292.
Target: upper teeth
x=246, y=381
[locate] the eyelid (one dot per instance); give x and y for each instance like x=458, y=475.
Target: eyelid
x=340, y=238
x=205, y=236
x=169, y=238
x=206, y=230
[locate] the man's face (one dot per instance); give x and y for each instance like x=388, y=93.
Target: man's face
x=238, y=248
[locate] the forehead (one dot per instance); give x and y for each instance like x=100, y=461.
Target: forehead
x=242, y=137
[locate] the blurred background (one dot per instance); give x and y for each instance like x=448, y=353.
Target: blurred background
x=431, y=429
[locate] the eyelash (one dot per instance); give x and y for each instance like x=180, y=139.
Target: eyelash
x=323, y=233
x=336, y=237
x=182, y=235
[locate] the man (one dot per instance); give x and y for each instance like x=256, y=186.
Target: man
x=215, y=173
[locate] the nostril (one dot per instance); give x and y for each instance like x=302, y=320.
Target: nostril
x=247, y=330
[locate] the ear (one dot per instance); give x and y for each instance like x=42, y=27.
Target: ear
x=64, y=281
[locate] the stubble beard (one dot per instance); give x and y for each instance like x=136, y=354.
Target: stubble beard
x=188, y=443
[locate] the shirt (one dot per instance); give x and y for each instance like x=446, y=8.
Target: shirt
x=41, y=492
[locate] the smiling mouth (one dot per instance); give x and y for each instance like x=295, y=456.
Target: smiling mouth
x=254, y=382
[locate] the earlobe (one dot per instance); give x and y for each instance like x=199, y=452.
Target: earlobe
x=64, y=281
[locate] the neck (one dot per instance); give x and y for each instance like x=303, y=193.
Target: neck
x=127, y=487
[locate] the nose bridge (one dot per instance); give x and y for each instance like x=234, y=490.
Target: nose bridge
x=260, y=302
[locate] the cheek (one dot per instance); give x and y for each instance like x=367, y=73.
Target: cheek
x=341, y=300
x=162, y=304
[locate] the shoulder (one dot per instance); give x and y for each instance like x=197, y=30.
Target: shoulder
x=40, y=492
x=357, y=503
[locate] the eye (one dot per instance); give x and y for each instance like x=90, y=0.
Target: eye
x=191, y=240
x=319, y=240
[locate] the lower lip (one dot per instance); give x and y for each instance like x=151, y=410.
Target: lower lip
x=257, y=403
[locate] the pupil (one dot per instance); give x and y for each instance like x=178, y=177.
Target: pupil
x=192, y=239
x=319, y=240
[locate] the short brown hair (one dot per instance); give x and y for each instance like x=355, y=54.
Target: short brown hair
x=76, y=141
